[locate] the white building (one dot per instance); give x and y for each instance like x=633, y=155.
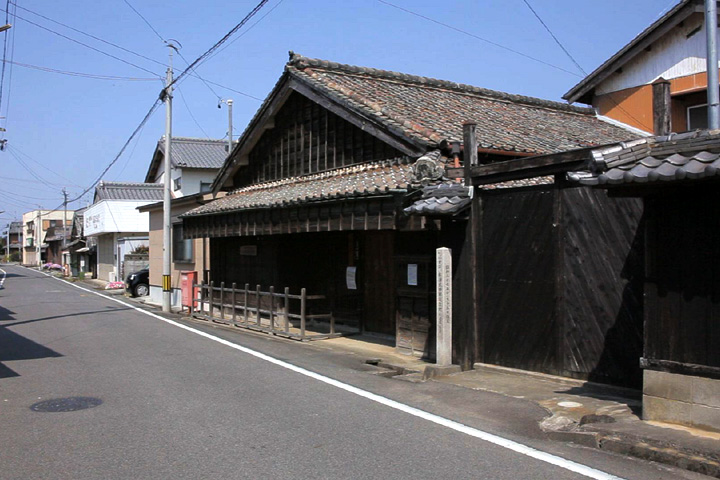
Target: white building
x=113, y=219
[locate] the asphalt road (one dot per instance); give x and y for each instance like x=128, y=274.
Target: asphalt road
x=177, y=404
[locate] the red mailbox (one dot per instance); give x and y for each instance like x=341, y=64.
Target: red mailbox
x=189, y=291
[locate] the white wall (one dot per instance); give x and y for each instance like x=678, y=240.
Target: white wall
x=672, y=56
x=116, y=216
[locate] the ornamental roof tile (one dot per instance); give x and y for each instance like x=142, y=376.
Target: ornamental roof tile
x=675, y=157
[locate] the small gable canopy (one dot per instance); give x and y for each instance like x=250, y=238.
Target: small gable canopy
x=128, y=191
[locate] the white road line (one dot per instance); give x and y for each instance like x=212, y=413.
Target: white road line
x=4, y=276
x=431, y=417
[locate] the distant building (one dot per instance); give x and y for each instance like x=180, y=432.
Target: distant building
x=117, y=226
x=35, y=228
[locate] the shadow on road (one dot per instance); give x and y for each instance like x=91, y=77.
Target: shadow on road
x=16, y=347
x=67, y=315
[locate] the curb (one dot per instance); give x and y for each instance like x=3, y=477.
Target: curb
x=640, y=448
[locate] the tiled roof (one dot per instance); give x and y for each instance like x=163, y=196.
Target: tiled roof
x=429, y=111
x=524, y=182
x=202, y=153
x=128, y=191
x=442, y=199
x=675, y=157
x=358, y=181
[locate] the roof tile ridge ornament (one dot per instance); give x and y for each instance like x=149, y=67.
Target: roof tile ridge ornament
x=301, y=62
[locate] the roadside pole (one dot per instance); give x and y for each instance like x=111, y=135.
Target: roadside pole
x=167, y=180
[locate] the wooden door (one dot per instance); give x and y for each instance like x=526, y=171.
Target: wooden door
x=378, y=283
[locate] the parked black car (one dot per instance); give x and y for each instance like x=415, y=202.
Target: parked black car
x=138, y=284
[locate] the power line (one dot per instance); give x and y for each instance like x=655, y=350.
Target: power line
x=182, y=97
x=88, y=46
x=30, y=170
x=610, y=95
x=555, y=38
x=248, y=29
x=92, y=36
x=81, y=74
x=16, y=149
x=516, y=52
x=146, y=22
x=218, y=43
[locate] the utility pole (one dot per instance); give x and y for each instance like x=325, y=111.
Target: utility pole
x=713, y=91
x=229, y=103
x=167, y=180
x=38, y=251
x=230, y=144
x=65, y=195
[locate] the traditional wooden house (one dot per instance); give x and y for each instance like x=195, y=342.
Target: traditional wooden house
x=676, y=176
x=319, y=179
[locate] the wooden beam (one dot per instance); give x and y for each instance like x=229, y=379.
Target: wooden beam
x=530, y=167
x=680, y=368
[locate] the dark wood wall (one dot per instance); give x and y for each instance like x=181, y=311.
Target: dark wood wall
x=562, y=283
x=682, y=308
x=307, y=138
x=519, y=325
x=601, y=287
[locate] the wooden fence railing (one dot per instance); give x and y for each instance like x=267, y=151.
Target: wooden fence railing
x=267, y=311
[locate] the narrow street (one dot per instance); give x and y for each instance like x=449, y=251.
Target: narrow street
x=200, y=402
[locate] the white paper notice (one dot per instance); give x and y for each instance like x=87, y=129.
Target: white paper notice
x=412, y=274
x=350, y=278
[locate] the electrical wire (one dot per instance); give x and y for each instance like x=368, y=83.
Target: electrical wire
x=17, y=150
x=610, y=95
x=30, y=170
x=81, y=74
x=217, y=44
x=182, y=97
x=145, y=20
x=247, y=30
x=88, y=46
x=516, y=52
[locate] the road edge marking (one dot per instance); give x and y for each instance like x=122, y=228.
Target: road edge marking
x=416, y=412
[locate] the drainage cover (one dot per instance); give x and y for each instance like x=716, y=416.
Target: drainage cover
x=69, y=404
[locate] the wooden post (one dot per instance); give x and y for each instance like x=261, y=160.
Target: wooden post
x=661, y=102
x=467, y=354
x=332, y=324
x=222, y=300
x=257, y=304
x=287, y=309
x=245, y=305
x=212, y=297
x=192, y=298
x=272, y=308
x=303, y=300
x=234, y=309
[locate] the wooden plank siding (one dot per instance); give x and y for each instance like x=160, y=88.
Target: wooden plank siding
x=562, y=283
x=601, y=286
x=682, y=316
x=307, y=138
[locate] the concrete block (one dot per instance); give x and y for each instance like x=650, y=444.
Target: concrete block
x=707, y=418
x=668, y=385
x=665, y=410
x=706, y=391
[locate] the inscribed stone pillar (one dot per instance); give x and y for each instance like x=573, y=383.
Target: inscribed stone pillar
x=444, y=307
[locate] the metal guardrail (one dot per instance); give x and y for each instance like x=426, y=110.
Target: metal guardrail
x=265, y=311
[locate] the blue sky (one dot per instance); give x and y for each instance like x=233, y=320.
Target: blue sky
x=63, y=130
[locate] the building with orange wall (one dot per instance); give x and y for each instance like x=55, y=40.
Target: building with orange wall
x=674, y=49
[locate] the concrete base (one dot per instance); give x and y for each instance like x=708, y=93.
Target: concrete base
x=432, y=371
x=682, y=399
